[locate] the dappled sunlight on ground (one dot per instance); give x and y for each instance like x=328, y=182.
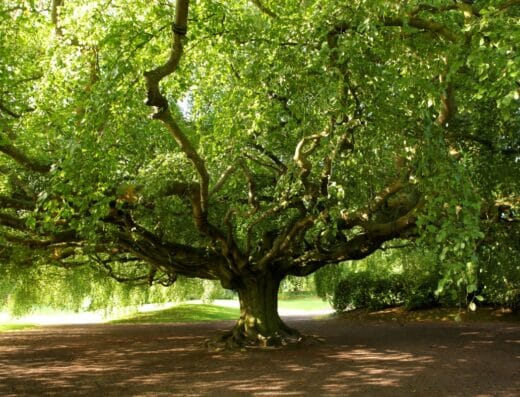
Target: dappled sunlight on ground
x=372, y=368
x=354, y=360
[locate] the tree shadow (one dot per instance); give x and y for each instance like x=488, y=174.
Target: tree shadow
x=355, y=360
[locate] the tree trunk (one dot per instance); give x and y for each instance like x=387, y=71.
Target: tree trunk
x=259, y=323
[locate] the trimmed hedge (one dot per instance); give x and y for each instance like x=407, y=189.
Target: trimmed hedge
x=376, y=291
x=368, y=290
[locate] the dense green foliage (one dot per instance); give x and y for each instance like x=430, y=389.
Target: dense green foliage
x=409, y=277
x=414, y=278
x=283, y=137
x=54, y=288
x=499, y=270
x=367, y=290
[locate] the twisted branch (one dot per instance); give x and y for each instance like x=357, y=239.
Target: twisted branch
x=156, y=99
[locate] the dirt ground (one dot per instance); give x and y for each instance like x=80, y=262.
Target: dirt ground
x=356, y=358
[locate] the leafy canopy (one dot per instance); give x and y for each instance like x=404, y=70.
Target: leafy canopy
x=286, y=135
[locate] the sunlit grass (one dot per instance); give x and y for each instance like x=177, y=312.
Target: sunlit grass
x=188, y=312
x=222, y=310
x=182, y=313
x=15, y=327
x=310, y=303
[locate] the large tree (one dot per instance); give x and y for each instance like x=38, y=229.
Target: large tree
x=244, y=141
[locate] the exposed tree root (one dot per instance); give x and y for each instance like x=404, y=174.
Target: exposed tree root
x=240, y=338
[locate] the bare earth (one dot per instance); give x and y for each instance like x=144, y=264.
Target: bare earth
x=355, y=359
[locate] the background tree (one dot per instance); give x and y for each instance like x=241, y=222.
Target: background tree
x=284, y=137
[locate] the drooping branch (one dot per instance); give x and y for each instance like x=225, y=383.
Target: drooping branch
x=173, y=257
x=136, y=280
x=45, y=242
x=169, y=256
x=142, y=278
x=408, y=20
x=389, y=230
x=358, y=247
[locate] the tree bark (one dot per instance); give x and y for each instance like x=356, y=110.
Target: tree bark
x=259, y=324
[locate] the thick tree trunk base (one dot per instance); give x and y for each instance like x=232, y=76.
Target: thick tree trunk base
x=259, y=325
x=242, y=339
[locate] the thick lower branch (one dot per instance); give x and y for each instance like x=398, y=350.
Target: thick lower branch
x=19, y=204
x=358, y=247
x=12, y=222
x=24, y=160
x=430, y=26
x=182, y=259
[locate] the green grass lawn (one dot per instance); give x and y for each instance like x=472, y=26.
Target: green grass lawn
x=204, y=312
x=182, y=313
x=193, y=312
x=303, y=303
x=15, y=327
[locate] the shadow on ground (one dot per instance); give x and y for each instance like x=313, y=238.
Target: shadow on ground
x=382, y=359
